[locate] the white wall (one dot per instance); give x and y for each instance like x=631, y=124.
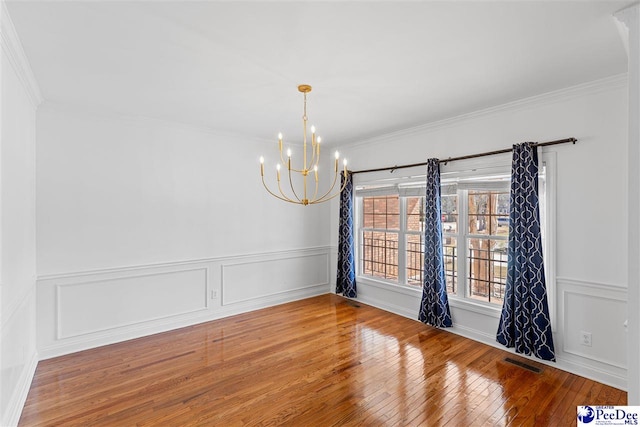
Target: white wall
x=145, y=226
x=629, y=20
x=19, y=98
x=591, y=213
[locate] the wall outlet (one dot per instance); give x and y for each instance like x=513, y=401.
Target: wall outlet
x=214, y=294
x=585, y=338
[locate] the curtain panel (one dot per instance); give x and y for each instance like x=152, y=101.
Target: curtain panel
x=346, y=278
x=434, y=306
x=524, y=322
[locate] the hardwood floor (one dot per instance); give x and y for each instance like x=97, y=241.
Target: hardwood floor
x=322, y=361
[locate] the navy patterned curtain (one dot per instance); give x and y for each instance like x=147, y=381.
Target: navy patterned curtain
x=434, y=307
x=524, y=323
x=346, y=280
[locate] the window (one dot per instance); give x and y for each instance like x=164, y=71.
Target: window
x=391, y=238
x=380, y=237
x=475, y=225
x=482, y=239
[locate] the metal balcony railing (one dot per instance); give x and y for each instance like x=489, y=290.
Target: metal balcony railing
x=486, y=272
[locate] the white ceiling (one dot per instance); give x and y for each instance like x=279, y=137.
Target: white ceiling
x=376, y=67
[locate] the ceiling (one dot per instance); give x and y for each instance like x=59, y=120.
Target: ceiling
x=375, y=67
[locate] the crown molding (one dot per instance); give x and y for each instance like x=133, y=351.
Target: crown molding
x=626, y=21
x=571, y=92
x=11, y=45
x=629, y=15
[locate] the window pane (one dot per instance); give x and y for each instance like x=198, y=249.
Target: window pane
x=487, y=269
x=451, y=263
x=368, y=220
x=478, y=224
x=478, y=202
x=502, y=226
x=449, y=213
x=393, y=212
x=415, y=259
x=503, y=203
x=393, y=204
x=381, y=212
x=489, y=213
x=380, y=254
x=415, y=214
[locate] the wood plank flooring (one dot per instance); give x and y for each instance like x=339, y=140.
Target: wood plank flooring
x=323, y=361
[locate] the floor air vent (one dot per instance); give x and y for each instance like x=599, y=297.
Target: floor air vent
x=523, y=365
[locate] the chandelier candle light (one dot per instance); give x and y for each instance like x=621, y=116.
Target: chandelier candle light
x=312, y=165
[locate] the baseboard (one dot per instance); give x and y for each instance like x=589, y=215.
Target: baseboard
x=562, y=362
x=19, y=397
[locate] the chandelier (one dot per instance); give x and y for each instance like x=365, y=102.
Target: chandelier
x=297, y=194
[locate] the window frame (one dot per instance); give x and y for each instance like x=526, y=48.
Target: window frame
x=412, y=179
x=462, y=240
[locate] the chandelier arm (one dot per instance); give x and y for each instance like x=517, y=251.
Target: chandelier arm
x=287, y=162
x=284, y=196
x=314, y=157
x=293, y=190
x=315, y=193
x=286, y=199
x=327, y=199
x=326, y=196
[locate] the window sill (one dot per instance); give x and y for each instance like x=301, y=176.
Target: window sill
x=475, y=307
x=393, y=287
x=413, y=291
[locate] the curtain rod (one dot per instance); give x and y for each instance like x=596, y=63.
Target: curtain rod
x=470, y=156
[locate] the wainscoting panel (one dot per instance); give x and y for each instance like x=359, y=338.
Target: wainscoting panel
x=607, y=346
x=599, y=310
x=251, y=279
x=82, y=310
x=91, y=306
